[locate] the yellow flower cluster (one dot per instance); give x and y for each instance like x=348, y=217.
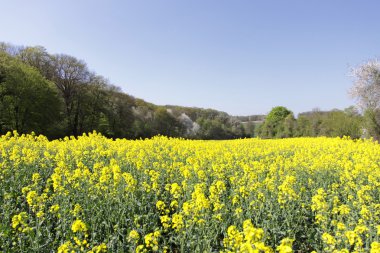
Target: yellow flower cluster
x=79, y=226
x=93, y=194
x=249, y=240
x=19, y=222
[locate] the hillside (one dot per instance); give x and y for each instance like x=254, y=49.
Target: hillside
x=82, y=101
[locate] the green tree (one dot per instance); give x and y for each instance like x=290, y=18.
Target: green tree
x=28, y=102
x=250, y=129
x=341, y=123
x=166, y=124
x=39, y=58
x=289, y=126
x=119, y=110
x=303, y=126
x=274, y=124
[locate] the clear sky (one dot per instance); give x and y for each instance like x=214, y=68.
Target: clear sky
x=242, y=57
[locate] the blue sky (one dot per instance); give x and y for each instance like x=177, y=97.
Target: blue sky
x=242, y=57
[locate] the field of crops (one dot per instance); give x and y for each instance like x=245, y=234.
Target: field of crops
x=93, y=194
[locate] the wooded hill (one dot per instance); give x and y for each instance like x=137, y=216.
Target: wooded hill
x=57, y=95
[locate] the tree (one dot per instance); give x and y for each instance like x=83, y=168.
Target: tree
x=274, y=124
x=289, y=126
x=71, y=77
x=250, y=129
x=28, y=102
x=39, y=58
x=303, y=127
x=212, y=129
x=88, y=97
x=166, y=124
x=366, y=91
x=120, y=114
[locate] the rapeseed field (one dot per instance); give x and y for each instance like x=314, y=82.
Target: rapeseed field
x=93, y=194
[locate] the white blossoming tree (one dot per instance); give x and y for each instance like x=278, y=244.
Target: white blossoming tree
x=366, y=91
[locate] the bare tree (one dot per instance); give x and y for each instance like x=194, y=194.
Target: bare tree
x=71, y=77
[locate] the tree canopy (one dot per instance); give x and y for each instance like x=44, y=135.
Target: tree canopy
x=278, y=123
x=28, y=101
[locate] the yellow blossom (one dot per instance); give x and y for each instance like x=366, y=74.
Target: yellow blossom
x=78, y=226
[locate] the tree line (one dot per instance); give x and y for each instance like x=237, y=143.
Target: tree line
x=362, y=121
x=57, y=95
x=281, y=123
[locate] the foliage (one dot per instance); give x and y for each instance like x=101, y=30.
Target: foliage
x=330, y=123
x=28, y=102
x=166, y=124
x=279, y=123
